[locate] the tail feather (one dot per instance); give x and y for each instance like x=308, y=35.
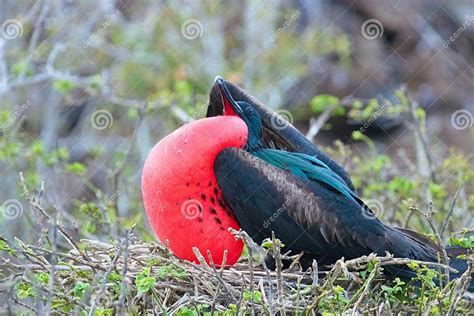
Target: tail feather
x=459, y=264
x=425, y=249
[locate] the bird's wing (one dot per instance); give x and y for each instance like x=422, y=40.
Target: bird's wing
x=307, y=167
x=307, y=215
x=277, y=132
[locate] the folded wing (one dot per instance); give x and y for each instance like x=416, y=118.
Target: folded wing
x=307, y=213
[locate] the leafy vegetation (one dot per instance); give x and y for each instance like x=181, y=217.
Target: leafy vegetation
x=84, y=103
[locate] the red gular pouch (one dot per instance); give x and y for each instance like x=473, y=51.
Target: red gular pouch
x=182, y=199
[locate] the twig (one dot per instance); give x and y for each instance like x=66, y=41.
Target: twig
x=123, y=289
x=408, y=217
x=37, y=30
x=429, y=218
x=279, y=267
x=201, y=259
x=422, y=145
x=464, y=231
x=461, y=285
x=316, y=124
x=3, y=67
x=451, y=209
x=362, y=292
x=118, y=171
x=107, y=274
x=250, y=265
x=218, y=275
x=315, y=274
x=54, y=259
x=24, y=305
x=270, y=287
x=39, y=208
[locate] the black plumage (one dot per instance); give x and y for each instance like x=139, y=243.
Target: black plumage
x=307, y=215
x=306, y=202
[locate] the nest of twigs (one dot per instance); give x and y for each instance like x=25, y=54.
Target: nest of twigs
x=135, y=277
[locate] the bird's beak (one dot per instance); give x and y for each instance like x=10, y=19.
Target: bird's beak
x=230, y=106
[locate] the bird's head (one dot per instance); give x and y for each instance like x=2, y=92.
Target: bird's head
x=277, y=133
x=245, y=111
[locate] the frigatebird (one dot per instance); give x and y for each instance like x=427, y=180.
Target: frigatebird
x=236, y=171
x=306, y=203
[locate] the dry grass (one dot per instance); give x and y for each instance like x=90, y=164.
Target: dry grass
x=135, y=277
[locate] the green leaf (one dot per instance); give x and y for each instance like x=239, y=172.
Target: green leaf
x=96, y=82
x=144, y=282
x=357, y=135
x=20, y=67
x=5, y=247
x=80, y=288
x=42, y=277
x=267, y=243
x=25, y=290
x=63, y=86
x=320, y=102
x=257, y=296
x=76, y=167
x=37, y=148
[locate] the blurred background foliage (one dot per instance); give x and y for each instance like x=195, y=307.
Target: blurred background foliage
x=88, y=87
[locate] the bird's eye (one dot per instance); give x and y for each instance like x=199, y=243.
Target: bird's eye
x=250, y=111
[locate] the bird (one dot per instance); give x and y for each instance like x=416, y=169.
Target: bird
x=233, y=169
x=305, y=203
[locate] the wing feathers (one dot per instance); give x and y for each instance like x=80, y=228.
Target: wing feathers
x=265, y=198
x=305, y=214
